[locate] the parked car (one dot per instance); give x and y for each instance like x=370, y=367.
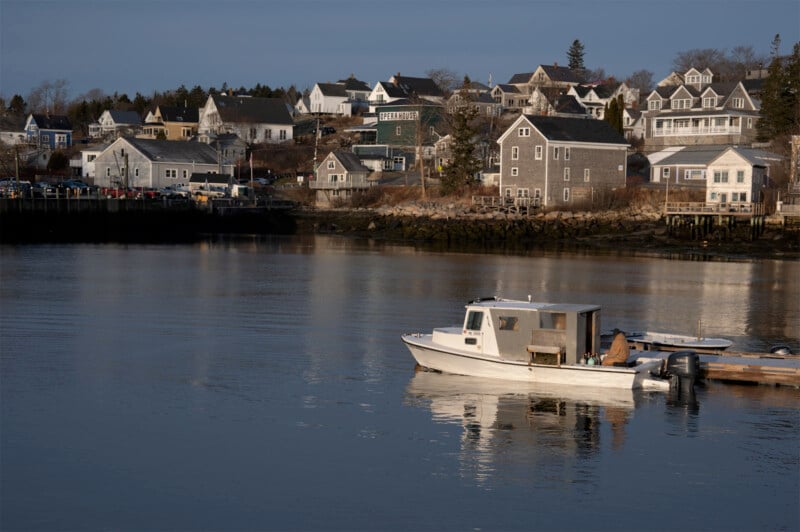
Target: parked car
x=175, y=192
x=41, y=189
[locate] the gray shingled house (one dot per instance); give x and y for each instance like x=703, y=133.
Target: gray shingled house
x=254, y=120
x=155, y=163
x=338, y=176
x=551, y=161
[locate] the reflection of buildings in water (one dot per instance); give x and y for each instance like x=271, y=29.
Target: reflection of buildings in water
x=504, y=422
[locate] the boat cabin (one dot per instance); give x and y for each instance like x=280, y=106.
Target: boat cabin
x=541, y=333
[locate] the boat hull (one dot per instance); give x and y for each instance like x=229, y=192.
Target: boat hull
x=432, y=356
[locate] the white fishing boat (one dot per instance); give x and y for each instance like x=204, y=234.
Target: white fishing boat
x=535, y=342
x=659, y=340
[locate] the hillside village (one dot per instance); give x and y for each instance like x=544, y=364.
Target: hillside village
x=542, y=140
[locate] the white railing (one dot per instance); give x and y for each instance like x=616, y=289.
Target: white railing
x=708, y=130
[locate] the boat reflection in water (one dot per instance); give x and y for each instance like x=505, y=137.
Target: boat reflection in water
x=535, y=424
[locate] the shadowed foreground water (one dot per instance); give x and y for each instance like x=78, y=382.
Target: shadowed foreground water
x=263, y=385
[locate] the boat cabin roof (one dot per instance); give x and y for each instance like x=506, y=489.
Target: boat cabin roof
x=533, y=306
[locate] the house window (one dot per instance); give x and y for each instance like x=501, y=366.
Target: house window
x=720, y=176
x=537, y=193
x=514, y=171
x=331, y=165
x=709, y=102
x=253, y=133
x=566, y=173
x=398, y=131
x=539, y=153
x=566, y=195
x=586, y=174
x=749, y=123
x=665, y=172
x=514, y=153
x=523, y=193
x=713, y=196
x=186, y=132
x=654, y=105
x=108, y=172
x=268, y=134
x=737, y=103
x=509, y=192
x=566, y=154
x=740, y=176
x=681, y=104
x=695, y=174
x=282, y=134
x=171, y=172
x=524, y=132
x=136, y=172
x=555, y=153
x=185, y=173
x=91, y=158
x=333, y=178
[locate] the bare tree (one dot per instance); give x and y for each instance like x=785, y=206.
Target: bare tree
x=642, y=80
x=444, y=78
x=49, y=97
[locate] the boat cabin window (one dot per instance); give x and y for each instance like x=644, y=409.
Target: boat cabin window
x=474, y=320
x=509, y=323
x=552, y=320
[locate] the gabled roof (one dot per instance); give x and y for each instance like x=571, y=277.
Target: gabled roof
x=419, y=86
x=350, y=161
x=174, y=151
x=520, y=79
x=57, y=122
x=170, y=113
x=125, y=117
x=238, y=109
x=353, y=84
x=691, y=156
x=511, y=89
x=560, y=73
x=392, y=90
x=562, y=129
x=565, y=103
x=332, y=89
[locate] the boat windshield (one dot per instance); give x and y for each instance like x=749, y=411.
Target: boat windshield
x=474, y=320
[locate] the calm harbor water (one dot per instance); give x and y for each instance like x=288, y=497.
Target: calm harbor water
x=261, y=385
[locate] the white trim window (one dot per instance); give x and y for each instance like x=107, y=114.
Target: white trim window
x=682, y=103
x=740, y=176
x=665, y=172
x=587, y=174
x=555, y=153
x=720, y=176
x=538, y=153
x=514, y=153
x=331, y=165
x=171, y=173
x=282, y=134
x=524, y=132
x=398, y=131
x=694, y=174
x=737, y=103
x=654, y=105
x=566, y=153
x=709, y=102
x=566, y=173
x=514, y=171
x=566, y=195
x=523, y=193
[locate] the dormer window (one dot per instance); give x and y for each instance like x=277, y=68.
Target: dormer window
x=709, y=102
x=654, y=105
x=683, y=103
x=737, y=103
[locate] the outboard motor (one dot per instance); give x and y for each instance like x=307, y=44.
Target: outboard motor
x=683, y=369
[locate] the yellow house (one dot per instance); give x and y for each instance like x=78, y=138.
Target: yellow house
x=174, y=122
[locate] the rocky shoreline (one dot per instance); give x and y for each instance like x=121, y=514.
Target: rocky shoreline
x=636, y=230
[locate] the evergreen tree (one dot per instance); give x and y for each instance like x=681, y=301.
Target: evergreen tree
x=780, y=100
x=614, y=113
x=460, y=171
x=575, y=59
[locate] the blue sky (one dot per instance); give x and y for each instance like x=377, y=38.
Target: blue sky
x=131, y=46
